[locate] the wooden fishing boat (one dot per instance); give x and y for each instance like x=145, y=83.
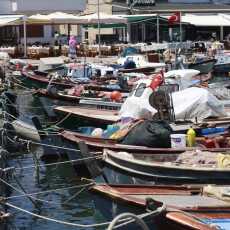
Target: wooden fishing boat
x=204, y=67
x=38, y=79
x=185, y=207
x=98, y=144
x=51, y=101
x=144, y=70
x=92, y=116
x=194, y=166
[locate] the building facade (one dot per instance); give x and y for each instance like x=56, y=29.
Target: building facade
x=146, y=31
x=41, y=33
x=90, y=34
x=42, y=6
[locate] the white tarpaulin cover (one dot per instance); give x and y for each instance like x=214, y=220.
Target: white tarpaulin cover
x=189, y=104
x=182, y=77
x=196, y=102
x=137, y=105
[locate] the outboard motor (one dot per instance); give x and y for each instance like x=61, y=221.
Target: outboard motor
x=123, y=82
x=97, y=73
x=129, y=64
x=52, y=90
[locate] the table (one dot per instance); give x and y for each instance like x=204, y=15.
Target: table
x=38, y=51
x=9, y=50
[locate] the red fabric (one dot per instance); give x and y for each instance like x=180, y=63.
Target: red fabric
x=157, y=81
x=175, y=18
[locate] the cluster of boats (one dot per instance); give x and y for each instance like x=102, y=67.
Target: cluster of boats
x=117, y=124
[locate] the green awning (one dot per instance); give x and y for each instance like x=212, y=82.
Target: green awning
x=141, y=17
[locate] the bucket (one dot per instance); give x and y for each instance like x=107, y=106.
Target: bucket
x=178, y=140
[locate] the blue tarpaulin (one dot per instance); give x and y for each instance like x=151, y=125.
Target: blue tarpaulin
x=223, y=224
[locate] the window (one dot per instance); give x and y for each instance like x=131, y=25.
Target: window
x=86, y=34
x=140, y=90
x=33, y=31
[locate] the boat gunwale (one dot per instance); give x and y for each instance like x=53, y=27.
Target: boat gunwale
x=155, y=164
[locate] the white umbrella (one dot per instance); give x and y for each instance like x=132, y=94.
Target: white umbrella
x=104, y=18
x=64, y=18
x=56, y=18
x=38, y=18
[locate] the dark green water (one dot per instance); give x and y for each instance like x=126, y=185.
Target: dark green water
x=73, y=205
x=79, y=209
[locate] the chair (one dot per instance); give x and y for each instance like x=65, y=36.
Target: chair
x=33, y=53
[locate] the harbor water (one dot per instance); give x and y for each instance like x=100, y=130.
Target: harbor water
x=56, y=191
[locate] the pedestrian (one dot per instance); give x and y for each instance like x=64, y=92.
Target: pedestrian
x=72, y=47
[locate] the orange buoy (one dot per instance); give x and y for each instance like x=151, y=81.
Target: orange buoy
x=116, y=96
x=17, y=67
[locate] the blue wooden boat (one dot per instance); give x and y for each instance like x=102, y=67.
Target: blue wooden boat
x=174, y=207
x=170, y=168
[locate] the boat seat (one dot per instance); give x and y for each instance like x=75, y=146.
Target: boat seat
x=185, y=201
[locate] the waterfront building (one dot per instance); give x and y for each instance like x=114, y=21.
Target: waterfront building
x=41, y=33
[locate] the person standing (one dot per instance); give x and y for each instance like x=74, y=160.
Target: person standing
x=72, y=47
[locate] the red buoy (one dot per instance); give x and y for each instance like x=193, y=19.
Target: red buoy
x=116, y=96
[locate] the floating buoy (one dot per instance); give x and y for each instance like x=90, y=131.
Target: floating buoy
x=18, y=67
x=116, y=96
x=97, y=132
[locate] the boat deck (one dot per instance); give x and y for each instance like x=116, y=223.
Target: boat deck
x=107, y=115
x=185, y=201
x=180, y=198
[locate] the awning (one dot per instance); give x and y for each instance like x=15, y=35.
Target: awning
x=107, y=26
x=60, y=17
x=139, y=17
x=38, y=18
x=104, y=19
x=56, y=18
x=207, y=20
x=10, y=19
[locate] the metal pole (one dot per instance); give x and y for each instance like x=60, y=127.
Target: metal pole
x=128, y=35
x=158, y=30
x=181, y=35
x=99, y=27
x=25, y=36
x=221, y=33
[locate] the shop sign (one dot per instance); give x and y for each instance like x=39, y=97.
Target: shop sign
x=141, y=2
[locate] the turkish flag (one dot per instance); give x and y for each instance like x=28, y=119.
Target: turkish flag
x=175, y=18
x=157, y=80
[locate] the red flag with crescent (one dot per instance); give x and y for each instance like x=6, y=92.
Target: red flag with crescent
x=175, y=18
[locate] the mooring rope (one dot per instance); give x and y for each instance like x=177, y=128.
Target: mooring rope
x=126, y=220
x=140, y=222
x=21, y=85
x=47, y=145
x=55, y=123
x=45, y=131
x=61, y=162
x=27, y=106
x=31, y=197
x=53, y=190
